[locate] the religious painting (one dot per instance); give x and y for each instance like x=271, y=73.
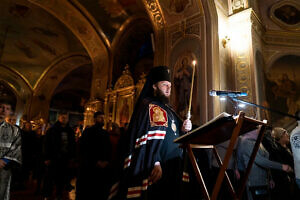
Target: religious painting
x=124, y=112
x=182, y=76
x=283, y=85
x=176, y=6
x=288, y=14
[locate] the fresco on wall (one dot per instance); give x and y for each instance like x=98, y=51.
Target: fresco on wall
x=288, y=14
x=175, y=6
x=283, y=83
x=175, y=11
x=31, y=39
x=109, y=14
x=182, y=76
x=178, y=6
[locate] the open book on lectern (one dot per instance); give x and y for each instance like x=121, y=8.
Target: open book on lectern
x=215, y=131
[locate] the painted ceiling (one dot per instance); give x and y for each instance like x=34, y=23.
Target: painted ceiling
x=31, y=39
x=111, y=14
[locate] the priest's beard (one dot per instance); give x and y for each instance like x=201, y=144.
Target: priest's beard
x=160, y=96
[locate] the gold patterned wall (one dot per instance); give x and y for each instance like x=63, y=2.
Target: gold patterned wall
x=119, y=101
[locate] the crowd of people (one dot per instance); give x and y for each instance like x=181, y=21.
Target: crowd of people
x=52, y=158
x=140, y=161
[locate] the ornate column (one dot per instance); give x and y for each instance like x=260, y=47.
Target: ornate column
x=242, y=55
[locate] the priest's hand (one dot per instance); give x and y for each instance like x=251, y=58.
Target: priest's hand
x=156, y=173
x=47, y=162
x=287, y=168
x=102, y=164
x=2, y=164
x=187, y=125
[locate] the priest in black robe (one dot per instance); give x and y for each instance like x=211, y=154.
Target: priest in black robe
x=152, y=161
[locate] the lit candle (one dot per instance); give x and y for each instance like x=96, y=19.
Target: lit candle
x=191, y=92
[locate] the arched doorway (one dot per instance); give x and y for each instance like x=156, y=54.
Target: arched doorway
x=71, y=95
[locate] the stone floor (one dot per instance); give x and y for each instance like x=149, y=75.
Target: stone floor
x=28, y=193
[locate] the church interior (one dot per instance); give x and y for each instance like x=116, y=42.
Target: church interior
x=83, y=56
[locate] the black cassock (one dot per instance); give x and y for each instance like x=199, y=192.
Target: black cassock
x=149, y=140
x=94, y=182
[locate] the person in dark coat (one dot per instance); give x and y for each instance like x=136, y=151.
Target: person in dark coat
x=29, y=143
x=283, y=154
x=95, y=156
x=60, y=148
x=258, y=182
x=152, y=166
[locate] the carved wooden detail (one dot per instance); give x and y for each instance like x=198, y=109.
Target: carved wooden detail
x=156, y=13
x=125, y=80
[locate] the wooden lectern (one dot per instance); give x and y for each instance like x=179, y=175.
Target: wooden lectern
x=222, y=128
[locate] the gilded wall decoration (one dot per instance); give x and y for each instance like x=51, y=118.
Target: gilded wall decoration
x=119, y=101
x=155, y=11
x=125, y=80
x=243, y=79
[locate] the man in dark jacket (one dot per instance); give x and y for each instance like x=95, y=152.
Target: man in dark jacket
x=60, y=151
x=95, y=155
